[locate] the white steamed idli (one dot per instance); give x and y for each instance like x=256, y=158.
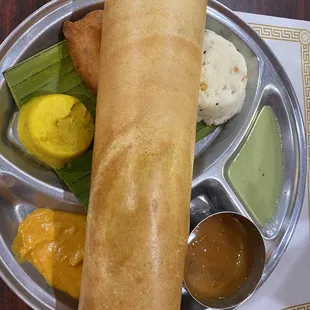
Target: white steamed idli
x=223, y=80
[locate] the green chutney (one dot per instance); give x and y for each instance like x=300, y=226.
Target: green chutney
x=257, y=171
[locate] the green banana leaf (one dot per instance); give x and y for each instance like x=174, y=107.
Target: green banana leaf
x=51, y=71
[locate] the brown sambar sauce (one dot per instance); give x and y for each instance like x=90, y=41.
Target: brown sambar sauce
x=219, y=258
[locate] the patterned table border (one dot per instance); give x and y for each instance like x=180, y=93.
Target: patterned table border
x=299, y=307
x=301, y=36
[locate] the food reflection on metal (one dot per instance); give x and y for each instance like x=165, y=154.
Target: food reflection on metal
x=200, y=208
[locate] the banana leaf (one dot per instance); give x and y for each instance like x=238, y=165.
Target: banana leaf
x=51, y=71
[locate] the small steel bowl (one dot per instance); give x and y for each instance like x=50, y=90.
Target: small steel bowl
x=253, y=279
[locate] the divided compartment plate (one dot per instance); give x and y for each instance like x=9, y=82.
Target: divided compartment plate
x=268, y=84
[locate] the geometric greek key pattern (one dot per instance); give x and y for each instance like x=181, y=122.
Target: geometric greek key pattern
x=277, y=33
x=305, y=62
x=299, y=307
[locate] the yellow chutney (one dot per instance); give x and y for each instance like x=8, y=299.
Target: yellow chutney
x=55, y=128
x=53, y=242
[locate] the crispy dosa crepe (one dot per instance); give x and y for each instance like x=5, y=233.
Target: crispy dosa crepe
x=84, y=38
x=138, y=217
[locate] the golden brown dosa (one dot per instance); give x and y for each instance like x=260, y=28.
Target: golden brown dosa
x=83, y=39
x=138, y=217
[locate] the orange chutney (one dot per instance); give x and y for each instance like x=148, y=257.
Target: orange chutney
x=219, y=258
x=53, y=242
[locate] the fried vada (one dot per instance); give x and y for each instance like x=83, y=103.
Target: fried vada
x=84, y=38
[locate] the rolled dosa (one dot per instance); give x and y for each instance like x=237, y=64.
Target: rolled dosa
x=138, y=217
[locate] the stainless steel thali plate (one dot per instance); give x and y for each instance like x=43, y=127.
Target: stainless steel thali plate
x=24, y=185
